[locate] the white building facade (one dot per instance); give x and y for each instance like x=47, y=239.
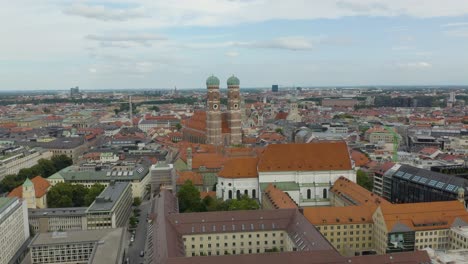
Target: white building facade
x=14, y=227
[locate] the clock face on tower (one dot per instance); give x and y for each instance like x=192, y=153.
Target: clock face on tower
x=215, y=106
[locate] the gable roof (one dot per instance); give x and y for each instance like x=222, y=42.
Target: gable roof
x=184, y=176
x=314, y=156
x=240, y=167
x=427, y=216
x=355, y=194
x=339, y=215
x=278, y=198
x=41, y=186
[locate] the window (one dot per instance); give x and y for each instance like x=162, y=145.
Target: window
x=309, y=194
x=324, y=193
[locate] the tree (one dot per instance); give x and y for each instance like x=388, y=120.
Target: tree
x=61, y=162
x=60, y=195
x=136, y=201
x=92, y=193
x=154, y=108
x=363, y=180
x=279, y=130
x=47, y=167
x=78, y=194
x=178, y=126
x=189, y=198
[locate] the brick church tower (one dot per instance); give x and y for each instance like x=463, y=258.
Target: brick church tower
x=213, y=112
x=234, y=111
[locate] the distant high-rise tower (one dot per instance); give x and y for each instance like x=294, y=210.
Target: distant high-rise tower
x=234, y=111
x=213, y=113
x=74, y=91
x=451, y=100
x=274, y=88
x=130, y=107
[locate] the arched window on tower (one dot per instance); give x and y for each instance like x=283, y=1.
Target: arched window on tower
x=230, y=194
x=254, y=194
x=309, y=194
x=324, y=193
x=238, y=194
x=246, y=192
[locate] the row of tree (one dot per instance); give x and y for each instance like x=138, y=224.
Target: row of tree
x=72, y=195
x=44, y=168
x=190, y=201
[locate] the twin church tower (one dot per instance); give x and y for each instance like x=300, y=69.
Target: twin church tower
x=214, y=116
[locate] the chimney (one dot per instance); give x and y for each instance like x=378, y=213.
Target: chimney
x=189, y=158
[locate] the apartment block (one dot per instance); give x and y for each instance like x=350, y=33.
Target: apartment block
x=80, y=247
x=14, y=229
x=112, y=208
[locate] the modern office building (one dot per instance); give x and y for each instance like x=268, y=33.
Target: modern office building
x=14, y=229
x=112, y=207
x=408, y=184
x=162, y=175
x=274, y=88
x=80, y=247
x=57, y=219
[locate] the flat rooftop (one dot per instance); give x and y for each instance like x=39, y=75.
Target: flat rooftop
x=109, y=197
x=108, y=242
x=50, y=212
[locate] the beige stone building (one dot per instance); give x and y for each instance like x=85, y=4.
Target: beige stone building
x=33, y=191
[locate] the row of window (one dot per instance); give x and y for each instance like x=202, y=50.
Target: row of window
x=234, y=252
x=241, y=244
x=338, y=227
x=233, y=236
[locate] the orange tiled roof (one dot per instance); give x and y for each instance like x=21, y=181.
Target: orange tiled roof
x=314, y=156
x=212, y=194
x=355, y=194
x=359, y=158
x=242, y=167
x=339, y=215
x=424, y=216
x=278, y=198
x=184, y=176
x=281, y=115
x=198, y=122
x=41, y=186
x=208, y=160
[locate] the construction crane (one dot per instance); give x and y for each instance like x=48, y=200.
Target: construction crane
x=396, y=143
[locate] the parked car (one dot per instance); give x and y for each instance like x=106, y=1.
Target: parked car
x=142, y=253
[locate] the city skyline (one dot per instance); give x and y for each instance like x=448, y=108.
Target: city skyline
x=54, y=45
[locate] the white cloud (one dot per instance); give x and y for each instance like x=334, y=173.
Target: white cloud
x=456, y=24
x=402, y=48
x=126, y=40
x=102, y=12
x=459, y=32
x=414, y=65
x=218, y=13
x=232, y=54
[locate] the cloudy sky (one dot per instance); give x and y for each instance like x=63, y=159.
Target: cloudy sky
x=57, y=44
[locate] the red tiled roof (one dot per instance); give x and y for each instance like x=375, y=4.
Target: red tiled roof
x=40, y=187
x=281, y=115
x=278, y=198
x=242, y=167
x=315, y=156
x=359, y=158
x=184, y=176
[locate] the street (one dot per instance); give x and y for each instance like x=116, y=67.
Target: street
x=140, y=235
